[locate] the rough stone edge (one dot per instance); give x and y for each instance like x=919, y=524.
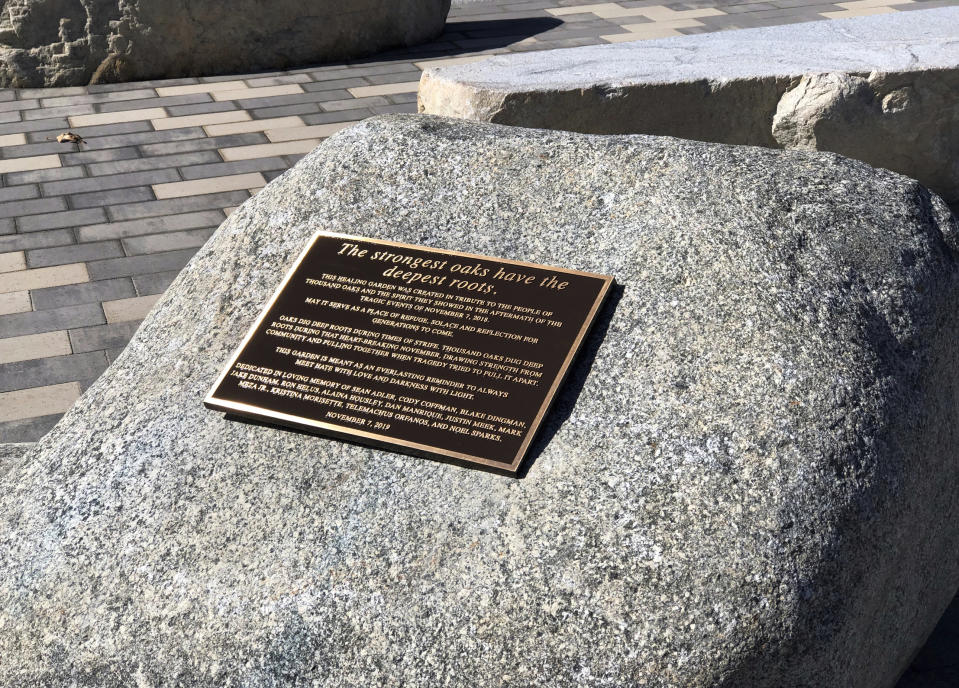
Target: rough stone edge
x=734, y=110
x=864, y=36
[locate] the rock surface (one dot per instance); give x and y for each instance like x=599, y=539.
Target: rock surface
x=879, y=89
x=74, y=42
x=749, y=480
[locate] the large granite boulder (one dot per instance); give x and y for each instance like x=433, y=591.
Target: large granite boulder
x=749, y=480
x=75, y=42
x=880, y=89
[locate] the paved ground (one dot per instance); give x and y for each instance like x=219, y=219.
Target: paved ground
x=90, y=235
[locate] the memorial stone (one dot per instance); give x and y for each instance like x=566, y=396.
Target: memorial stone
x=748, y=479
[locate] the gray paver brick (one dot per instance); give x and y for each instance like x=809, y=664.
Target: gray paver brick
x=339, y=116
x=528, y=47
x=171, y=241
x=808, y=12
x=113, y=181
x=31, y=207
x=395, y=78
x=293, y=99
x=223, y=169
x=69, y=218
x=31, y=149
x=402, y=98
x=24, y=242
x=66, y=318
x=35, y=176
x=496, y=15
x=216, y=78
x=19, y=193
x=285, y=110
x=336, y=84
x=278, y=80
x=102, y=337
x=481, y=7
x=37, y=125
x=32, y=93
x=88, y=292
x=526, y=6
x=67, y=111
x=171, y=206
x=351, y=72
x=353, y=103
x=18, y=105
x=589, y=29
x=189, y=99
x=97, y=199
x=135, y=265
x=786, y=3
x=51, y=371
x=7, y=225
x=572, y=42
x=29, y=430
x=77, y=253
x=7, y=117
x=199, y=144
x=151, y=225
x=95, y=156
x=202, y=108
x=87, y=98
x=590, y=18
x=154, y=163
x=155, y=283
x=927, y=4
x=155, y=83
x=751, y=7
x=146, y=138
x=489, y=42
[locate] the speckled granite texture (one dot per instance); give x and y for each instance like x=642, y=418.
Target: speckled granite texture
x=749, y=481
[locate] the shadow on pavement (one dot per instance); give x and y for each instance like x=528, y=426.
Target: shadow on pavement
x=469, y=36
x=937, y=664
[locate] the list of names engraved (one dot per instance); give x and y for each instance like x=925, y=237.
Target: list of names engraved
x=432, y=352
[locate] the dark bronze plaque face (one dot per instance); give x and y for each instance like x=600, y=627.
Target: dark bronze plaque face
x=437, y=353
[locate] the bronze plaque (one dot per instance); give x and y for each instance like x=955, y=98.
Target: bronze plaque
x=436, y=353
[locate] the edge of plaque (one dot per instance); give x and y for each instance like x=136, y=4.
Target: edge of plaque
x=386, y=442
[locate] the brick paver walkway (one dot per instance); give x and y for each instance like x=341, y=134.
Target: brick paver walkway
x=90, y=235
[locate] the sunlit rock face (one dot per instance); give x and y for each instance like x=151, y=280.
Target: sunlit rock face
x=76, y=42
x=881, y=89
